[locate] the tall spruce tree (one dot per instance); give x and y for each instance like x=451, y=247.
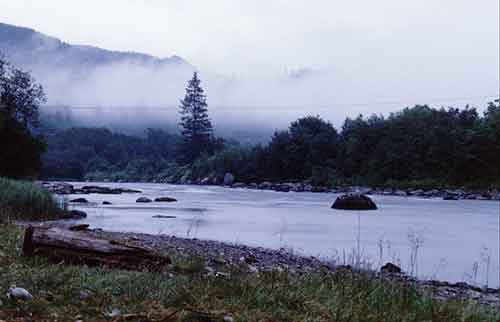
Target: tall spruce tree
x=196, y=126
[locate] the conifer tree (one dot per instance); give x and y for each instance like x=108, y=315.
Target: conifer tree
x=196, y=126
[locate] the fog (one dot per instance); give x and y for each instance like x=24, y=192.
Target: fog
x=265, y=63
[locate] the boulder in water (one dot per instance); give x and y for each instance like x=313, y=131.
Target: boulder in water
x=143, y=199
x=165, y=199
x=354, y=201
x=73, y=214
x=79, y=200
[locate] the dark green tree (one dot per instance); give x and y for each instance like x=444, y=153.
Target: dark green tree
x=196, y=126
x=20, y=98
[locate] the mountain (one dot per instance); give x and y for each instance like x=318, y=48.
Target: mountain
x=87, y=76
x=29, y=48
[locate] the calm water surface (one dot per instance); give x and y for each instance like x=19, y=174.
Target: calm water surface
x=448, y=240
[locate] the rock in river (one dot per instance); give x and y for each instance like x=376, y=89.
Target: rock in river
x=354, y=202
x=79, y=200
x=165, y=199
x=143, y=199
x=74, y=214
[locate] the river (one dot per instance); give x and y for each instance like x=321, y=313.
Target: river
x=429, y=238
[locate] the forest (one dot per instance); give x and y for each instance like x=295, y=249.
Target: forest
x=440, y=147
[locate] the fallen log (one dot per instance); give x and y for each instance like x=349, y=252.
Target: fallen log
x=75, y=247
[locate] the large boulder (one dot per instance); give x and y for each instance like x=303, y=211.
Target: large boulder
x=165, y=199
x=79, y=200
x=228, y=179
x=354, y=201
x=143, y=199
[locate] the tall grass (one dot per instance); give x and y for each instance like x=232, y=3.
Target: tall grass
x=24, y=200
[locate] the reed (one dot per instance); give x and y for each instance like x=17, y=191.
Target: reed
x=24, y=200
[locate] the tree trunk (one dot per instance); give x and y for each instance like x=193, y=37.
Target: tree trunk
x=76, y=247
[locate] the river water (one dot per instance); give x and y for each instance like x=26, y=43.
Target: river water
x=430, y=238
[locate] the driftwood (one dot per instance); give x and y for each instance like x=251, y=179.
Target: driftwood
x=63, y=245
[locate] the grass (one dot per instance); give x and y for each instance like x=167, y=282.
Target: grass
x=188, y=295
x=23, y=200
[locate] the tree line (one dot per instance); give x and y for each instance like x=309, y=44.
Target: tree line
x=445, y=146
x=415, y=146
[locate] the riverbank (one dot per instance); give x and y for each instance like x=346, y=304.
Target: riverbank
x=220, y=259
x=187, y=291
x=446, y=194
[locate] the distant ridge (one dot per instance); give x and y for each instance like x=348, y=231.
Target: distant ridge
x=27, y=47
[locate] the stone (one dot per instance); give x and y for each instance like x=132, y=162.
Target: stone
x=228, y=318
x=209, y=270
x=84, y=295
x=114, y=313
x=239, y=185
x=400, y=193
x=219, y=261
x=79, y=200
x=143, y=199
x=284, y=187
x=319, y=189
x=253, y=185
x=228, y=179
x=222, y=274
x=390, y=268
x=450, y=196
x=163, y=217
x=19, y=293
x=250, y=259
x=79, y=227
x=354, y=202
x=74, y=214
x=266, y=185
x=106, y=203
x=165, y=199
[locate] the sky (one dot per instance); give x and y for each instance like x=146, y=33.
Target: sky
x=371, y=52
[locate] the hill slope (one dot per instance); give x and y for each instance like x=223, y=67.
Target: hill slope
x=27, y=47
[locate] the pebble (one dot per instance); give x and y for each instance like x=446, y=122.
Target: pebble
x=84, y=295
x=18, y=293
x=228, y=318
x=114, y=313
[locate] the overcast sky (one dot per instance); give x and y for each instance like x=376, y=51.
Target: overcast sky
x=417, y=51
